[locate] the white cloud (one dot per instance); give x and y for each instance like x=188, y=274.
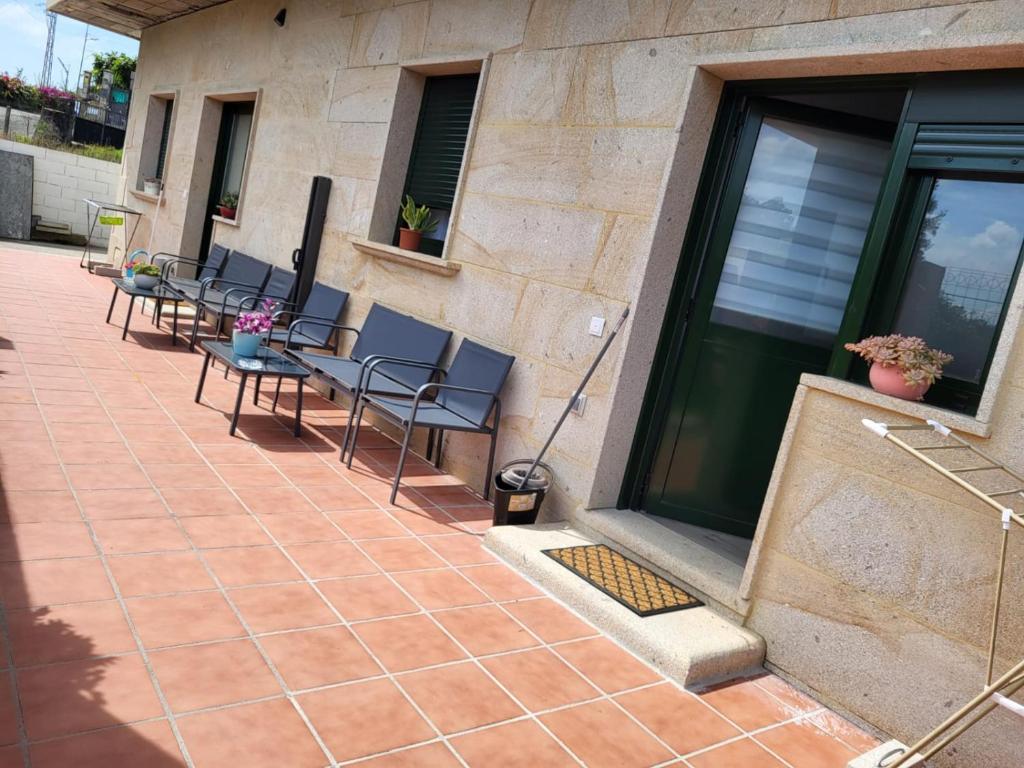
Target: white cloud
x=22, y=21
x=998, y=234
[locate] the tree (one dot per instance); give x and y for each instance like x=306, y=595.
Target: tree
x=120, y=64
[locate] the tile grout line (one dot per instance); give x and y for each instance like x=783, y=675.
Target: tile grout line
x=144, y=656
x=310, y=583
x=423, y=539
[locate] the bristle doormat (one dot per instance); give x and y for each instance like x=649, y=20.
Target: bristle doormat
x=641, y=590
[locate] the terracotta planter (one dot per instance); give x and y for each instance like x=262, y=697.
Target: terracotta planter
x=226, y=213
x=889, y=381
x=409, y=239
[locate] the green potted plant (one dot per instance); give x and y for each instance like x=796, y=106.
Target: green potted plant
x=228, y=205
x=418, y=222
x=151, y=186
x=901, y=366
x=146, y=276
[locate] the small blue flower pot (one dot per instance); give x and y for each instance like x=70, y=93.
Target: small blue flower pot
x=246, y=344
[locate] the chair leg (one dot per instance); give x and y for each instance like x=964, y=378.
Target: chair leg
x=490, y=464
x=348, y=426
x=277, y=394
x=358, y=410
x=195, y=330
x=437, y=450
x=401, y=464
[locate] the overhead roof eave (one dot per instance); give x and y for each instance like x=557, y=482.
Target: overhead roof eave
x=128, y=17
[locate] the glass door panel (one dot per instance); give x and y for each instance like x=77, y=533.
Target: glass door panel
x=806, y=206
x=769, y=301
x=961, y=271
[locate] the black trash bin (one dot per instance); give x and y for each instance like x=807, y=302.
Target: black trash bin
x=513, y=506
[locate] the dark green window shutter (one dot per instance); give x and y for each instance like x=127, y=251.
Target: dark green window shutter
x=165, y=135
x=440, y=141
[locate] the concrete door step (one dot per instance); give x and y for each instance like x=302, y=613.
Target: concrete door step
x=105, y=270
x=877, y=757
x=695, y=646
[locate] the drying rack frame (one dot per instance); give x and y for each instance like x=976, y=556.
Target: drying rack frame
x=94, y=209
x=995, y=693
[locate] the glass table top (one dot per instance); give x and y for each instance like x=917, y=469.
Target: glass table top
x=268, y=362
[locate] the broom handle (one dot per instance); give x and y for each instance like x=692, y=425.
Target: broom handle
x=575, y=395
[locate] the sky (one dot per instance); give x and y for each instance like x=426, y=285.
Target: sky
x=23, y=41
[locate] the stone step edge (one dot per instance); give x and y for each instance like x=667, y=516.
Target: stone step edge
x=695, y=647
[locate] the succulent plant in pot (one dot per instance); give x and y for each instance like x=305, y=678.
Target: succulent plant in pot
x=228, y=205
x=901, y=366
x=146, y=276
x=418, y=222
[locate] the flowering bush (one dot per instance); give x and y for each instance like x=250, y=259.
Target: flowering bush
x=54, y=97
x=919, y=363
x=258, y=321
x=14, y=90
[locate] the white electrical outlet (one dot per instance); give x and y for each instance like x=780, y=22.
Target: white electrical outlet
x=579, y=405
x=597, y=326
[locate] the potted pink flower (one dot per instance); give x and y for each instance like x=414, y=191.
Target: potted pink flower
x=251, y=328
x=901, y=366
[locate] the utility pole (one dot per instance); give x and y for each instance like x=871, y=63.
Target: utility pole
x=66, y=73
x=51, y=30
x=85, y=42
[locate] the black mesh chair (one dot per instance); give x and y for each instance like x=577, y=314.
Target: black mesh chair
x=242, y=271
x=208, y=269
x=414, y=350
x=278, y=289
x=464, y=400
x=323, y=303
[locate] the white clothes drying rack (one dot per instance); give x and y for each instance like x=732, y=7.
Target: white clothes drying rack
x=980, y=468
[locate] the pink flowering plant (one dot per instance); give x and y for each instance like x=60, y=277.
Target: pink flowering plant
x=258, y=321
x=919, y=363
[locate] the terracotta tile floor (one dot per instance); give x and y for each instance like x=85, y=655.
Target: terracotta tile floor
x=173, y=596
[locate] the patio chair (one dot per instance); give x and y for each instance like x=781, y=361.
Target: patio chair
x=278, y=289
x=241, y=271
x=323, y=303
x=464, y=400
x=413, y=348
x=211, y=268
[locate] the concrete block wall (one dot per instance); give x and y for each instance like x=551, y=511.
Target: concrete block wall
x=62, y=180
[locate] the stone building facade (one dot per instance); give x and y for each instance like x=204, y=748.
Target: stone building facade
x=592, y=123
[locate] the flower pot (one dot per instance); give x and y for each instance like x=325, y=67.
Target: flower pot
x=225, y=212
x=146, y=282
x=151, y=187
x=888, y=379
x=246, y=344
x=409, y=239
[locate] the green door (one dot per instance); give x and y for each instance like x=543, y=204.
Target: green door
x=769, y=300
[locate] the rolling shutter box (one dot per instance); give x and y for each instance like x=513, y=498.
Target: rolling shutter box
x=968, y=148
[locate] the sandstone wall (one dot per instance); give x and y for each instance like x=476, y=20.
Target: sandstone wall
x=592, y=125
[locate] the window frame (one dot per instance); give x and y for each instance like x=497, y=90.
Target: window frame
x=886, y=259
x=431, y=246
x=157, y=139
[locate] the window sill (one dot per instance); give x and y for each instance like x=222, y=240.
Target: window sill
x=957, y=421
x=154, y=199
x=230, y=222
x=410, y=258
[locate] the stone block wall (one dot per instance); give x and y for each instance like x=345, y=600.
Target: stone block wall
x=588, y=142
x=61, y=182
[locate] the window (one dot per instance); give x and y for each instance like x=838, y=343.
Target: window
x=233, y=146
x=438, y=147
x=156, y=139
x=953, y=274
x=165, y=137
